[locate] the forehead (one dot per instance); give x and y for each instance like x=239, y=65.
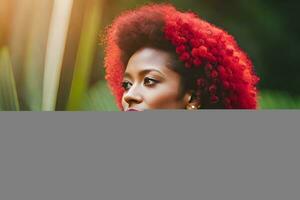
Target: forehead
x=149, y=58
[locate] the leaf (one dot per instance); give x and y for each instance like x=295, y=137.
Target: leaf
x=99, y=98
x=57, y=36
x=85, y=54
x=278, y=100
x=8, y=92
x=31, y=83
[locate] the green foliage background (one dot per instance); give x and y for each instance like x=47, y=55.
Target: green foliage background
x=267, y=30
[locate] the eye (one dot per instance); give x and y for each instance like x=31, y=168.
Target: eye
x=150, y=81
x=126, y=85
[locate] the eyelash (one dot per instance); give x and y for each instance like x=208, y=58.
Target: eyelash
x=147, y=79
x=150, y=79
x=125, y=85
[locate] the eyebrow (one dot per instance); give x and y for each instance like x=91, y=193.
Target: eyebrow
x=143, y=72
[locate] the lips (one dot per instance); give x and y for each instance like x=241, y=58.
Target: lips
x=132, y=110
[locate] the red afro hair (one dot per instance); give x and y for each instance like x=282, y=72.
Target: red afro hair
x=211, y=62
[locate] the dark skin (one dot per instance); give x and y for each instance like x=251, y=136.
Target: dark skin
x=150, y=83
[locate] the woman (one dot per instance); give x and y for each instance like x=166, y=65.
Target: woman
x=157, y=57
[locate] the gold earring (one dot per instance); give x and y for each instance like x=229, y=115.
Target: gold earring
x=193, y=107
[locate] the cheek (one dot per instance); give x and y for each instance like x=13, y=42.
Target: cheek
x=164, y=96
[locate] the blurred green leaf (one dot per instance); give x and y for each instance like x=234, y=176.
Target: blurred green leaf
x=31, y=84
x=278, y=100
x=99, y=98
x=8, y=92
x=57, y=35
x=85, y=54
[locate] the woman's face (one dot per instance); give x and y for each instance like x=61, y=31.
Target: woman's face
x=150, y=83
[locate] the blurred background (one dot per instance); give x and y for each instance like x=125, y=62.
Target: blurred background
x=51, y=57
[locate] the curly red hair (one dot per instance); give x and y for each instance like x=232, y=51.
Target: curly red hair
x=220, y=72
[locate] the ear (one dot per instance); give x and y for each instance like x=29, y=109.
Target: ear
x=191, y=101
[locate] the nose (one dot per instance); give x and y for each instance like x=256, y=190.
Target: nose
x=132, y=96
